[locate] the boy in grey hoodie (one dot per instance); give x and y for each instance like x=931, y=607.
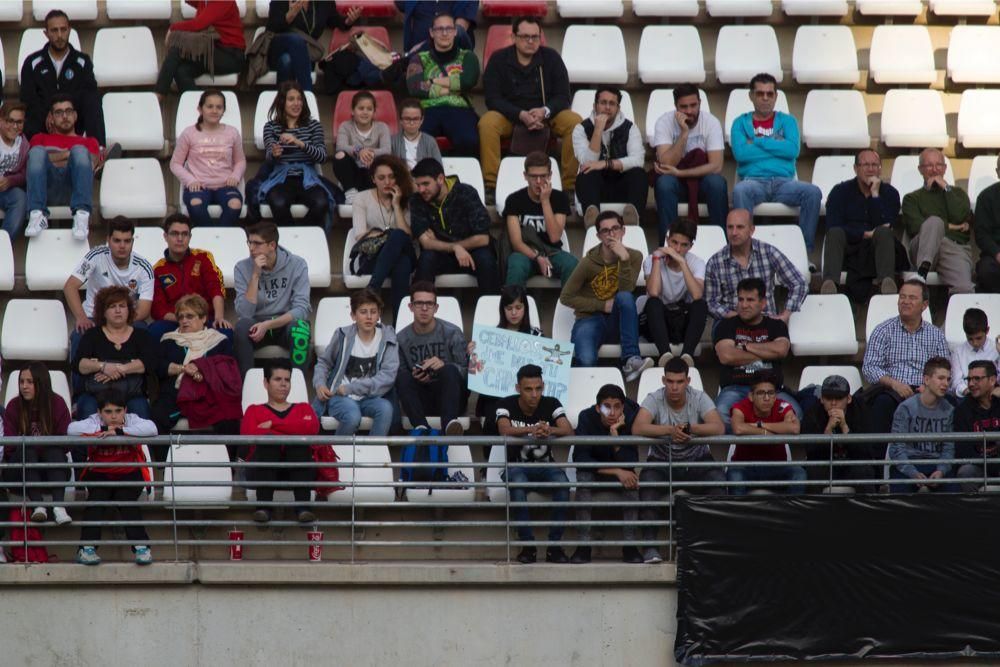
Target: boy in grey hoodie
x=272, y=299
x=925, y=412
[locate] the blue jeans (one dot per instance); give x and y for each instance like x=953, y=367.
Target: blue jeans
x=395, y=261
x=459, y=124
x=86, y=405
x=621, y=324
x=732, y=394
x=348, y=412
x=522, y=475
x=669, y=191
x=219, y=196
x=927, y=469
x=47, y=182
x=752, y=191
x=13, y=201
x=289, y=56
x=780, y=473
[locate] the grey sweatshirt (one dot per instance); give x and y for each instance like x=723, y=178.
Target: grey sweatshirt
x=331, y=365
x=445, y=341
x=912, y=416
x=283, y=289
x=426, y=147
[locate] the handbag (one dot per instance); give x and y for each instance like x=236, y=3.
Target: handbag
x=364, y=253
x=523, y=140
x=130, y=385
x=374, y=51
x=328, y=474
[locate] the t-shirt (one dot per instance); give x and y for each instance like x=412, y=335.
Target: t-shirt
x=411, y=151
x=361, y=362
x=762, y=452
x=706, y=133
x=529, y=213
x=763, y=128
x=733, y=328
x=697, y=404
x=549, y=410
x=58, y=62
x=98, y=270
x=9, y=155
x=672, y=285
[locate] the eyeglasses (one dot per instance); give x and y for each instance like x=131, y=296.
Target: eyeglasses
x=977, y=378
x=766, y=393
x=529, y=38
x=13, y=122
x=187, y=316
x=537, y=177
x=256, y=244
x=178, y=234
x=412, y=119
x=423, y=304
x=444, y=29
x=59, y=113
x=604, y=231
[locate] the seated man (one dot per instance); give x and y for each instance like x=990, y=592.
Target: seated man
x=747, y=343
x=61, y=170
x=272, y=299
x=600, y=294
x=937, y=219
x=418, y=17
x=433, y=365
x=925, y=412
x=609, y=148
x=987, y=227
x=978, y=346
x=536, y=218
x=673, y=415
x=529, y=414
x=765, y=144
x=611, y=416
x=762, y=413
x=13, y=167
x=860, y=213
x=836, y=413
x=689, y=146
x=450, y=222
x=977, y=413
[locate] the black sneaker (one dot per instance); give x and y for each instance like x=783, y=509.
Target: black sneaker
x=631, y=555
x=581, y=555
x=261, y=516
x=924, y=269
x=305, y=516
x=528, y=555
x=555, y=555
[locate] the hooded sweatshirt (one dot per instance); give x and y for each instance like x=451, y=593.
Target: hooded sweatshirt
x=332, y=364
x=460, y=216
x=594, y=281
x=912, y=416
x=636, y=153
x=766, y=157
x=283, y=289
x=446, y=342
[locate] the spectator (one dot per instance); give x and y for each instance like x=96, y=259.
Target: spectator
x=441, y=77
x=272, y=299
x=673, y=308
x=419, y=17
x=836, y=413
x=358, y=368
x=747, y=343
x=896, y=353
x=937, y=219
x=58, y=68
x=296, y=27
x=926, y=412
x=60, y=169
x=36, y=410
x=987, y=227
x=410, y=144
x=977, y=347
x=280, y=418
x=452, y=225
x=13, y=168
x=113, y=463
x=529, y=414
x=181, y=271
x=359, y=141
x=209, y=162
x=674, y=414
x=689, y=146
x=609, y=148
x=860, y=213
x=979, y=412
x=765, y=144
x=382, y=214
x=433, y=365
x=526, y=87
x=536, y=219
x=746, y=257
x=600, y=293
x=210, y=43
x=763, y=413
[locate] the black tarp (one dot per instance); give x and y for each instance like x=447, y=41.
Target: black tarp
x=848, y=577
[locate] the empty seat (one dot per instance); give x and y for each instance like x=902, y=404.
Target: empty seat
x=913, y=119
x=34, y=330
x=254, y=391
x=60, y=387
x=963, y=7
x=448, y=311
x=14, y=11
x=583, y=103
x=972, y=56
x=125, y=57
x=978, y=122
x=595, y=54
x=76, y=10
x=680, y=8
x=825, y=54
x=814, y=7
x=332, y=312
x=33, y=39
x=583, y=386
x=264, y=102
x=957, y=305
x=134, y=188
x=906, y=178
x=816, y=374
x=738, y=8
x=562, y=330
x=882, y=307
x=889, y=7
x=671, y=54
x=228, y=245
x=373, y=475
x=823, y=326
x=6, y=262
x=739, y=103
x=205, y=468
x=51, y=257
x=982, y=174
x=218, y=81
x=468, y=171
x=488, y=311
x=660, y=102
x=188, y=12
x=590, y=9
x=746, y=50
x=134, y=121
x=885, y=63
x=652, y=379
x=459, y=461
x=510, y=179
x=788, y=239
x=148, y=243
x=128, y=10
x=835, y=119
x=512, y=8
x=829, y=170
x=710, y=240
x=635, y=238
x=310, y=244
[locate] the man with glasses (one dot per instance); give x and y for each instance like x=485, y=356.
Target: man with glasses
x=987, y=227
x=600, y=293
x=13, y=165
x=526, y=85
x=979, y=412
x=419, y=15
x=860, y=213
x=937, y=219
x=272, y=299
x=410, y=144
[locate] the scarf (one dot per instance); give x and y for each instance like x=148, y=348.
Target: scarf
x=196, y=345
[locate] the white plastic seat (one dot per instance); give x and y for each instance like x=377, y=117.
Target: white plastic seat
x=6, y=262
x=310, y=244
x=913, y=119
x=677, y=8
x=188, y=12
x=510, y=178
x=972, y=57
x=228, y=246
x=814, y=7
x=60, y=386
x=563, y=320
x=882, y=307
x=459, y=460
x=590, y=9
x=671, y=54
x=133, y=187
x=738, y=8
x=12, y=12
x=583, y=104
x=148, y=243
x=34, y=330
x=468, y=171
x=885, y=63
x=595, y=54
x=33, y=39
x=125, y=57
x=835, y=119
x=254, y=391
x=263, y=8
x=127, y=10
x=889, y=7
x=449, y=310
x=825, y=54
x=982, y=174
x=332, y=312
x=134, y=121
x=652, y=379
x=264, y=102
x=487, y=311
x=816, y=374
x=50, y=258
x=374, y=470
x=789, y=240
x=583, y=386
x=76, y=10
x=739, y=103
x=710, y=240
x=215, y=482
x=823, y=326
x=635, y=238
x=746, y=50
x=219, y=81
x=963, y=7
x=978, y=123
x=187, y=111
x=660, y=102
x=773, y=208
x=906, y=178
x=958, y=304
x=497, y=492
x=270, y=78
x=828, y=171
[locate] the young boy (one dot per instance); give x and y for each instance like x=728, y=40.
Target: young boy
x=113, y=463
x=977, y=347
x=410, y=144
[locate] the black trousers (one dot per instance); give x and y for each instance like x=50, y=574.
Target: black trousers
x=37, y=454
x=679, y=322
x=350, y=175
x=444, y=396
x=432, y=263
x=228, y=60
x=125, y=494
x=630, y=186
x=281, y=197
x=266, y=477
x=987, y=274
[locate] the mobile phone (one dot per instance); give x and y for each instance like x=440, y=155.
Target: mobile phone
x=686, y=429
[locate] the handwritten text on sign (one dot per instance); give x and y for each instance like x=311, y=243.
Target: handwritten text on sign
x=498, y=353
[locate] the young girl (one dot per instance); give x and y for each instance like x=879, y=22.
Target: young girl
x=410, y=144
x=359, y=141
x=209, y=162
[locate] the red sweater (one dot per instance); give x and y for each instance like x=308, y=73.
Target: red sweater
x=65, y=142
x=300, y=420
x=197, y=273
x=223, y=15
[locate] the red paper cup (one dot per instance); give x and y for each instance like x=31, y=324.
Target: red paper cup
x=236, y=548
x=315, y=548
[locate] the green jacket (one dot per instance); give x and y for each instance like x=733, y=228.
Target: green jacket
x=987, y=223
x=462, y=71
x=593, y=281
x=951, y=205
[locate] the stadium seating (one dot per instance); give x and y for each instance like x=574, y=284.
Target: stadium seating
x=982, y=174
x=829, y=170
x=583, y=386
x=814, y=7
x=562, y=329
x=671, y=54
x=376, y=32
x=652, y=379
x=254, y=391
x=510, y=179
x=823, y=326
x=788, y=239
x=33, y=39
x=816, y=374
x=882, y=307
x=885, y=63
x=130, y=10
x=211, y=480
x=825, y=54
x=264, y=102
x=510, y=8
x=978, y=125
x=332, y=312
x=971, y=56
x=125, y=57
x=228, y=245
x=595, y=54
x=499, y=36
x=739, y=103
x=449, y=310
x=148, y=243
x=187, y=111
x=958, y=304
x=889, y=7
x=963, y=7
x=134, y=121
x=459, y=461
x=6, y=263
x=672, y=8
x=188, y=12
x=60, y=386
x=592, y=9
x=745, y=50
x=660, y=102
x=468, y=171
x=487, y=311
x=906, y=178
x=34, y=330
x=370, y=482
x=738, y=8
x=13, y=11
x=77, y=10
x=835, y=119
x=635, y=238
x=351, y=280
x=310, y=243
x=51, y=257
x=710, y=240
x=133, y=187
x=913, y=119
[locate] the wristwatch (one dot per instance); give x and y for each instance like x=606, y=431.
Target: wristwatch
x=760, y=425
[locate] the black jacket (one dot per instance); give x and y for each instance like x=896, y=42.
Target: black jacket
x=460, y=216
x=39, y=84
x=511, y=88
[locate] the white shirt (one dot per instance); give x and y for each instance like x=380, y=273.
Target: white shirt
x=672, y=285
x=362, y=361
x=964, y=355
x=98, y=270
x=411, y=151
x=706, y=133
x=58, y=63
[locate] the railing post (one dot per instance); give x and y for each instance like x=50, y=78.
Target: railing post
x=671, y=550
x=506, y=484
x=173, y=492
x=354, y=482
x=24, y=494
x=831, y=463
x=986, y=473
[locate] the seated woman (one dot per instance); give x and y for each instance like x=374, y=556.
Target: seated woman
x=297, y=26
x=359, y=141
x=38, y=411
x=212, y=42
x=114, y=355
x=209, y=162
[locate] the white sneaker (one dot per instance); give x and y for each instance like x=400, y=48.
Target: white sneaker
x=634, y=367
x=349, y=196
x=81, y=225
x=60, y=516
x=651, y=556
x=37, y=223
x=39, y=515
x=3, y=556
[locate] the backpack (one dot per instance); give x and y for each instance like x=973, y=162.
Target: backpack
x=35, y=554
x=327, y=474
x=425, y=453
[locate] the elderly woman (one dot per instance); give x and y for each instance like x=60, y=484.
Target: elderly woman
x=114, y=355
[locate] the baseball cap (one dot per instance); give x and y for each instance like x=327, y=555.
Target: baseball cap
x=835, y=386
